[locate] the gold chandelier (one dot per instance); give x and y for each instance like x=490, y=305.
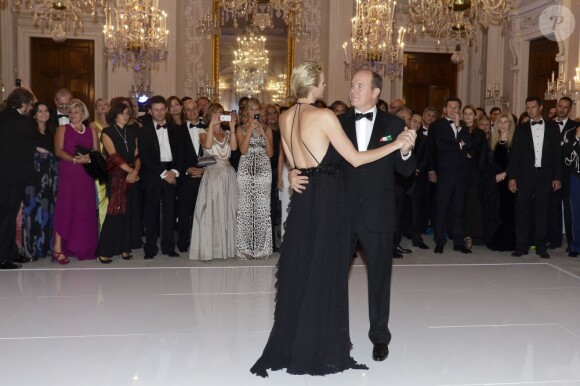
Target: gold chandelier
x=135, y=33
x=250, y=65
x=373, y=40
x=59, y=16
x=277, y=88
x=455, y=19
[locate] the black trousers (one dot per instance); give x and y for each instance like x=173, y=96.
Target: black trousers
x=11, y=197
x=560, y=199
x=378, y=250
x=532, y=197
x=187, y=190
x=159, y=199
x=450, y=197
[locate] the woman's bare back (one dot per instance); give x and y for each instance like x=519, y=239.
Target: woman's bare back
x=306, y=145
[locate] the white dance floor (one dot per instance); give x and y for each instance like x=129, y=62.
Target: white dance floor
x=497, y=324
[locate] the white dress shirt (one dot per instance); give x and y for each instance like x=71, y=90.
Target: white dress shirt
x=194, y=134
x=164, y=147
x=538, y=137
x=364, y=129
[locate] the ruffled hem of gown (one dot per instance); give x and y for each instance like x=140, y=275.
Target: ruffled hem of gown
x=260, y=369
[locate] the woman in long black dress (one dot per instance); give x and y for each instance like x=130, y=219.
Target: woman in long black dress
x=476, y=159
x=311, y=333
x=120, y=147
x=39, y=200
x=500, y=207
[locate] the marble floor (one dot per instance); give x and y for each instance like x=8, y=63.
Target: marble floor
x=482, y=319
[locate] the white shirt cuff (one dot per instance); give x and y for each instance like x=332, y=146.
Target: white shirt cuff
x=406, y=157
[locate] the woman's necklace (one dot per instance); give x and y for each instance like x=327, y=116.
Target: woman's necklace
x=83, y=128
x=123, y=138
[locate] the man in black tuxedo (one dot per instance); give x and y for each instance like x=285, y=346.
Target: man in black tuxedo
x=534, y=170
x=561, y=198
x=189, y=149
x=16, y=169
x=62, y=100
x=159, y=160
x=370, y=191
x=451, y=143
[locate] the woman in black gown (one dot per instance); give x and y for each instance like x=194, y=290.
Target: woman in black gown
x=40, y=196
x=477, y=160
x=120, y=147
x=311, y=333
x=500, y=208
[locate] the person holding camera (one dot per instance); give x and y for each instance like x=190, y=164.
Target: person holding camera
x=254, y=226
x=213, y=233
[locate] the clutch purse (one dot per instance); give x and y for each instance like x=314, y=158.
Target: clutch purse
x=96, y=169
x=206, y=161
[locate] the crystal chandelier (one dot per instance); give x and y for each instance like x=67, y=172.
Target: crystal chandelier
x=59, y=16
x=559, y=87
x=277, y=89
x=494, y=96
x=454, y=19
x=250, y=65
x=135, y=33
x=373, y=44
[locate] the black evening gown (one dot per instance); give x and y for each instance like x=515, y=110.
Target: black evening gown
x=501, y=203
x=117, y=232
x=474, y=215
x=311, y=327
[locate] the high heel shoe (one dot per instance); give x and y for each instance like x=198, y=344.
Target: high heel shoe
x=104, y=261
x=55, y=258
x=127, y=256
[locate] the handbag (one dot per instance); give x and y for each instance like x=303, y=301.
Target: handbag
x=206, y=161
x=96, y=169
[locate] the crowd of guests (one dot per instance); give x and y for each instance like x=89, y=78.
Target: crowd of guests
x=211, y=183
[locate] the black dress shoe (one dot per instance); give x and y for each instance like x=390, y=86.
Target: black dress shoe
x=400, y=249
x=172, y=254
x=519, y=253
x=23, y=259
x=149, y=257
x=5, y=264
x=462, y=249
x=438, y=249
x=380, y=352
x=544, y=255
x=573, y=254
x=182, y=250
x=397, y=255
x=421, y=245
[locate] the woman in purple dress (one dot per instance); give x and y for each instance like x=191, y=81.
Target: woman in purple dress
x=75, y=217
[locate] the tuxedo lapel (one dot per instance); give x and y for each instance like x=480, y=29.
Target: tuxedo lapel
x=379, y=128
x=350, y=128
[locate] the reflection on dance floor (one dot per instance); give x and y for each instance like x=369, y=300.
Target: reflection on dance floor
x=498, y=324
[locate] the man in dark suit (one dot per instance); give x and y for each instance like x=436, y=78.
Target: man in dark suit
x=561, y=198
x=189, y=148
x=370, y=191
x=62, y=100
x=535, y=170
x=16, y=169
x=451, y=143
x=159, y=160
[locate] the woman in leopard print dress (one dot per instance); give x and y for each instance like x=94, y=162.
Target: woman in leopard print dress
x=254, y=227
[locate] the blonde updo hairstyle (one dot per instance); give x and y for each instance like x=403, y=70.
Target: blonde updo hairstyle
x=304, y=77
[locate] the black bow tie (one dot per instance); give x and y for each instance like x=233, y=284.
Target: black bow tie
x=163, y=126
x=450, y=121
x=359, y=116
x=561, y=123
x=537, y=123
x=59, y=116
x=191, y=125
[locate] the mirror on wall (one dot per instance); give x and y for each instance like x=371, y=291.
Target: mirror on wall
x=232, y=85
